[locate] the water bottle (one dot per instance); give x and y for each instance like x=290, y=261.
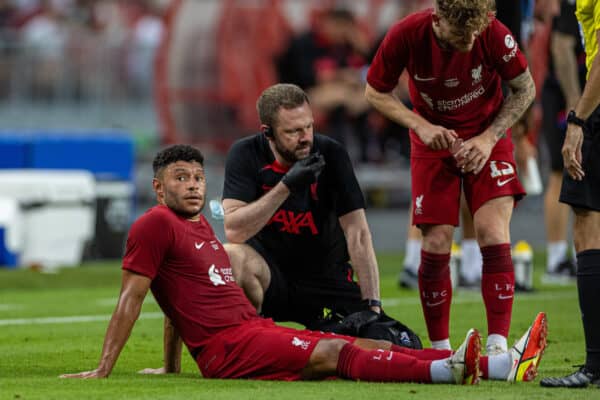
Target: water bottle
x=522, y=256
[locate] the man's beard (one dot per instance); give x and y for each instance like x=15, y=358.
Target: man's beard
x=288, y=155
x=186, y=214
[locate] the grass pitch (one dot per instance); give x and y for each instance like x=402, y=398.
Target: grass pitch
x=54, y=323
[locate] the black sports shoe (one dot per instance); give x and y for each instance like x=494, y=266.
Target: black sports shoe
x=578, y=379
x=408, y=279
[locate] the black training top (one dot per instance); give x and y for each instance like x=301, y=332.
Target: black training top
x=304, y=233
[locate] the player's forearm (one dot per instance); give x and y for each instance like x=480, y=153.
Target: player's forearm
x=514, y=106
x=244, y=222
x=362, y=257
x=565, y=66
x=392, y=108
x=119, y=329
x=362, y=254
x=589, y=99
x=172, y=348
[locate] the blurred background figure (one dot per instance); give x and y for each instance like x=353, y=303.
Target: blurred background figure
x=562, y=88
x=328, y=61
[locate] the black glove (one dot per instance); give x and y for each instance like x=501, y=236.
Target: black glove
x=304, y=172
x=353, y=323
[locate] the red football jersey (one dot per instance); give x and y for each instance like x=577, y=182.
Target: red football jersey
x=457, y=90
x=191, y=274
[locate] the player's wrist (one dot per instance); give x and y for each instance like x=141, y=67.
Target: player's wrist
x=372, y=303
x=573, y=119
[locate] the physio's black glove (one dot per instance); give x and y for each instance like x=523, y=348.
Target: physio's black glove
x=304, y=172
x=353, y=323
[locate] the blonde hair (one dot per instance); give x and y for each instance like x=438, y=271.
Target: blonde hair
x=472, y=15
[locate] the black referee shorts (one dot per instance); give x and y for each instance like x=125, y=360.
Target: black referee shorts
x=553, y=122
x=586, y=193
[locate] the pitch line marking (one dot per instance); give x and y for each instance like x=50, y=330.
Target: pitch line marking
x=71, y=319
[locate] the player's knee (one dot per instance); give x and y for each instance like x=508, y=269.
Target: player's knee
x=490, y=234
x=437, y=239
x=586, y=230
x=324, y=358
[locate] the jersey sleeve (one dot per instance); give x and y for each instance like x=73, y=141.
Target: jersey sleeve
x=390, y=60
x=241, y=177
x=147, y=244
x=348, y=195
x=504, y=51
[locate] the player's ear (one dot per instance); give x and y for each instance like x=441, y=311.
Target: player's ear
x=158, y=189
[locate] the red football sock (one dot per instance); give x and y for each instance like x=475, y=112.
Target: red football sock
x=484, y=367
x=381, y=366
x=424, y=354
x=498, y=287
x=435, y=289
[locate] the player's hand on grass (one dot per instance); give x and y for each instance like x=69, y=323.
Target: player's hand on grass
x=436, y=137
x=153, y=371
x=304, y=172
x=474, y=153
x=86, y=375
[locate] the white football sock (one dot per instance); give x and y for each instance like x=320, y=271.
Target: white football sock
x=471, y=262
x=440, y=372
x=412, y=259
x=499, y=366
x=441, y=344
x=556, y=253
x=495, y=341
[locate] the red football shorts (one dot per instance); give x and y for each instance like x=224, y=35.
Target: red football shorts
x=436, y=187
x=259, y=349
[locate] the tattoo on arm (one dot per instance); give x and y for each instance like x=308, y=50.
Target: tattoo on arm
x=515, y=105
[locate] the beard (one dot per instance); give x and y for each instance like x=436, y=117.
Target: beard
x=290, y=155
x=184, y=212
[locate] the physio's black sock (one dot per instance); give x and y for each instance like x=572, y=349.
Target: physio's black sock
x=588, y=286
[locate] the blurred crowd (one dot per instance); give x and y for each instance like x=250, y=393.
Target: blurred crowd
x=63, y=48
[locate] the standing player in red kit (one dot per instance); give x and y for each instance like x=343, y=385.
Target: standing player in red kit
x=173, y=251
x=457, y=56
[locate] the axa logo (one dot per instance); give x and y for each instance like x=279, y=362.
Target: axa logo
x=419, y=205
x=303, y=344
x=220, y=276
x=292, y=222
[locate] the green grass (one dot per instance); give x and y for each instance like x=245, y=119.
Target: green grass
x=32, y=355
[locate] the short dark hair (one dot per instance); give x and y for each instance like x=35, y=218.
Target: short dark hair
x=178, y=152
x=280, y=95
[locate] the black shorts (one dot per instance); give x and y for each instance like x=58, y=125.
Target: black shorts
x=554, y=122
x=586, y=193
x=305, y=298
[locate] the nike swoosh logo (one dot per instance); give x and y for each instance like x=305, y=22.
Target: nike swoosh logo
x=198, y=245
x=504, y=182
x=428, y=304
x=504, y=297
x=418, y=78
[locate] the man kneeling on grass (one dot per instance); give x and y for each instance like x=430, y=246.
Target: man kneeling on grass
x=173, y=251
